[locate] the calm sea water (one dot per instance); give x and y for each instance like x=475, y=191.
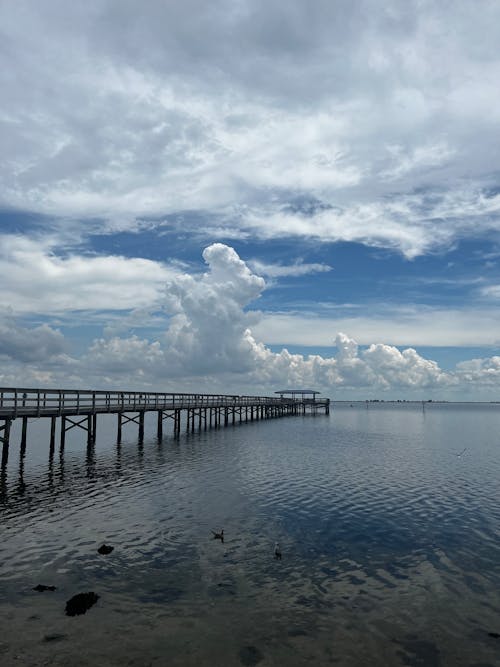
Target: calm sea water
x=390, y=542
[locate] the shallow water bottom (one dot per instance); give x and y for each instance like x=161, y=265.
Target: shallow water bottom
x=229, y=623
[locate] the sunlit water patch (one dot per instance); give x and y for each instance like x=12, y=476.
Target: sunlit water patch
x=390, y=543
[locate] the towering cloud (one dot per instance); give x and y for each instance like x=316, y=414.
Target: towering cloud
x=209, y=334
x=208, y=345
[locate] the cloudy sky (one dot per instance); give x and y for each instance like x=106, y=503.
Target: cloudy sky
x=244, y=195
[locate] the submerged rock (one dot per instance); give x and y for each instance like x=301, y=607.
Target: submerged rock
x=80, y=603
x=105, y=549
x=41, y=587
x=250, y=655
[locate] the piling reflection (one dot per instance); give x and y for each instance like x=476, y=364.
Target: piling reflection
x=21, y=486
x=51, y=477
x=90, y=460
x=3, y=483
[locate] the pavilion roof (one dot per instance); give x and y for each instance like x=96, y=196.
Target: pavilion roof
x=297, y=391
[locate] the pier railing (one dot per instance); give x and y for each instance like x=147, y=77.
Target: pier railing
x=80, y=407
x=17, y=402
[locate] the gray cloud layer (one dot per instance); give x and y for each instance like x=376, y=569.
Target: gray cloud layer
x=385, y=115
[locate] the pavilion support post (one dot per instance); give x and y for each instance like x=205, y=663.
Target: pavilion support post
x=226, y=417
x=205, y=419
x=119, y=429
x=94, y=426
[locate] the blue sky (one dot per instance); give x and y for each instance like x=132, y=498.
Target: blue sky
x=241, y=195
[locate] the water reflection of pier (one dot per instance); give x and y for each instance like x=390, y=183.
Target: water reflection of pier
x=80, y=408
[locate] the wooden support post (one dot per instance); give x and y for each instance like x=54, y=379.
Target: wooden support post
x=119, y=431
x=23, y=435
x=52, y=435
x=234, y=414
x=199, y=419
x=205, y=422
x=159, y=430
x=141, y=425
x=63, y=433
x=226, y=417
x=4, y=439
x=89, y=430
x=94, y=426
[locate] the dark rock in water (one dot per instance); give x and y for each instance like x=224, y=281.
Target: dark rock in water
x=250, y=655
x=105, y=549
x=495, y=635
x=54, y=638
x=80, y=603
x=41, y=587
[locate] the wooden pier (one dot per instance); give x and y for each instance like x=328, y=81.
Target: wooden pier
x=79, y=409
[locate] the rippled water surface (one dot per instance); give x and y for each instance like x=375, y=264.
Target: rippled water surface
x=390, y=542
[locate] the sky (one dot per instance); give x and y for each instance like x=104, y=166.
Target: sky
x=251, y=195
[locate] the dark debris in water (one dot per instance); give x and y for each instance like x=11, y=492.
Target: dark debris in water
x=297, y=632
x=250, y=655
x=105, y=549
x=495, y=635
x=81, y=603
x=55, y=637
x=41, y=587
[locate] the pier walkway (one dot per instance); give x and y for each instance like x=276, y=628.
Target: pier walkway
x=79, y=408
